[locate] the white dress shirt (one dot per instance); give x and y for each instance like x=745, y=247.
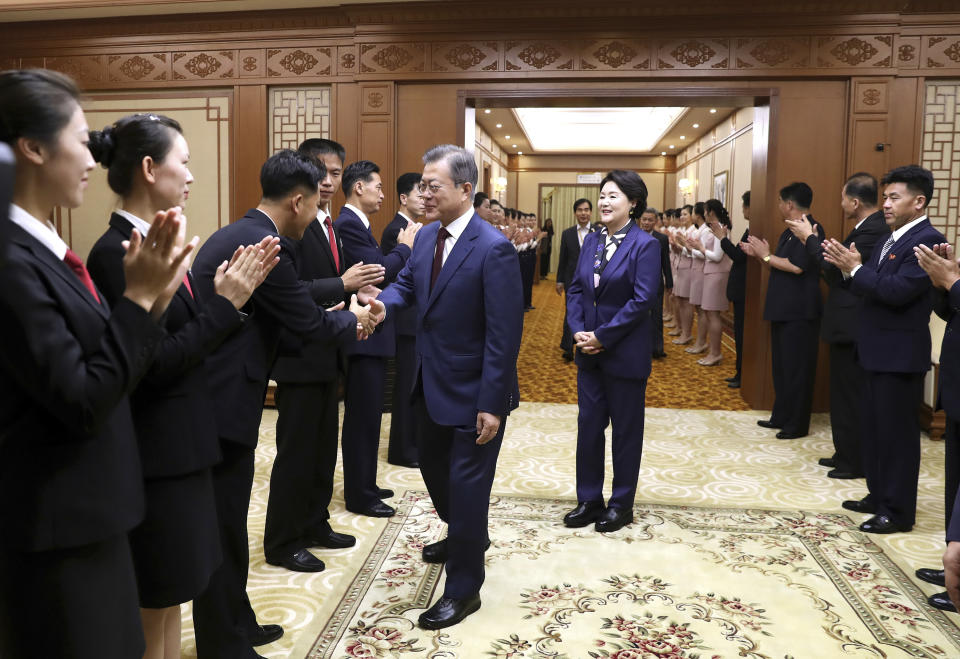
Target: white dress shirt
x=140, y=225
x=45, y=232
x=454, y=229
x=360, y=214
x=582, y=232
x=897, y=235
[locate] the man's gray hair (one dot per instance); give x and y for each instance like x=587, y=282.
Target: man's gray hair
x=463, y=168
x=650, y=209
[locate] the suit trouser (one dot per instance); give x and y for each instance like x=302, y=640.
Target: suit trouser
x=604, y=399
x=656, y=320
x=360, y=439
x=403, y=421
x=222, y=615
x=794, y=345
x=566, y=340
x=738, y=314
x=846, y=391
x=544, y=263
x=301, y=482
x=528, y=265
x=450, y=455
x=891, y=431
x=951, y=462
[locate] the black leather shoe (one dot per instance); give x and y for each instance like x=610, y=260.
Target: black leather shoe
x=436, y=552
x=783, y=434
x=413, y=464
x=843, y=475
x=331, y=539
x=859, y=506
x=384, y=493
x=659, y=355
x=568, y=356
x=941, y=601
x=882, y=524
x=378, y=509
x=731, y=378
x=263, y=634
x=447, y=612
x=614, y=519
x=766, y=423
x=583, y=514
x=931, y=576
x=827, y=462
x=300, y=561
x=734, y=384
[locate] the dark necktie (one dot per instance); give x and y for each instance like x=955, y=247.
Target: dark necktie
x=438, y=256
x=80, y=270
x=886, y=248
x=333, y=242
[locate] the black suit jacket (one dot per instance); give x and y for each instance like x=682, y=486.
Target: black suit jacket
x=737, y=281
x=406, y=319
x=314, y=360
x=839, y=324
x=569, y=253
x=171, y=405
x=790, y=296
x=69, y=468
x=947, y=306
x=666, y=275
x=238, y=370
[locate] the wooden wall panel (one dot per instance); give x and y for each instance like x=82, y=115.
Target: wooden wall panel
x=345, y=126
x=377, y=144
x=251, y=145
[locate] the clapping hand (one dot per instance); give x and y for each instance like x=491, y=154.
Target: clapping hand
x=408, y=233
x=756, y=247
x=939, y=264
x=836, y=254
x=248, y=268
x=359, y=275
x=588, y=343
x=801, y=228
x=719, y=230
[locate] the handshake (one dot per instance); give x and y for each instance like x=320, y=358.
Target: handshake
x=369, y=311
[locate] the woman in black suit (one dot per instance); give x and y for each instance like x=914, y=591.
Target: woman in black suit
x=70, y=483
x=176, y=547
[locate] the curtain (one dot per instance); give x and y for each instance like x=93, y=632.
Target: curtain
x=558, y=204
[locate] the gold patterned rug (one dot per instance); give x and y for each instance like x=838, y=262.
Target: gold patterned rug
x=681, y=581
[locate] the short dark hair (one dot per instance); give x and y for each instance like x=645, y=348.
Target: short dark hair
x=582, y=200
x=407, y=182
x=478, y=199
x=631, y=185
x=362, y=170
x=36, y=104
x=862, y=186
x=917, y=179
x=688, y=208
x=494, y=202
x=122, y=146
x=318, y=146
x=746, y=198
x=699, y=210
x=287, y=171
x=799, y=193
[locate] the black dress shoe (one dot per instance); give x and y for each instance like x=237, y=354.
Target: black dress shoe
x=860, y=506
x=384, y=493
x=263, y=634
x=300, y=561
x=331, y=539
x=583, y=514
x=378, y=509
x=941, y=601
x=783, y=434
x=568, y=356
x=614, y=519
x=659, y=355
x=436, y=552
x=448, y=612
x=931, y=576
x=827, y=462
x=731, y=378
x=766, y=423
x=836, y=473
x=734, y=384
x=413, y=464
x=883, y=524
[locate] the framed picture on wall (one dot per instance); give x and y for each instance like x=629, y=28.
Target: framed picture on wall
x=720, y=187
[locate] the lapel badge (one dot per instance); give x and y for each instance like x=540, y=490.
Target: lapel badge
x=892, y=257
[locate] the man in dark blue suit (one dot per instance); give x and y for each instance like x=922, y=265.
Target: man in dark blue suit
x=366, y=361
x=648, y=221
x=737, y=284
x=570, y=241
x=237, y=375
x=463, y=278
x=893, y=345
x=403, y=418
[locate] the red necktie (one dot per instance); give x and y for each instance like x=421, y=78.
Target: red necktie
x=438, y=256
x=186, y=282
x=80, y=270
x=333, y=242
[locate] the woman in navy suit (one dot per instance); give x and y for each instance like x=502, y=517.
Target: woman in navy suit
x=176, y=547
x=70, y=480
x=608, y=305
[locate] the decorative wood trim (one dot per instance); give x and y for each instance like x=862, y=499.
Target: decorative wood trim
x=711, y=149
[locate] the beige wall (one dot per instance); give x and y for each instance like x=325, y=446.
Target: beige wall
x=487, y=152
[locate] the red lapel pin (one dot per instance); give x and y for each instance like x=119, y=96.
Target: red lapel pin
x=892, y=257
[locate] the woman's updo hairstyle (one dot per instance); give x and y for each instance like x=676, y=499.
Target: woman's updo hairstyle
x=631, y=185
x=36, y=104
x=699, y=211
x=121, y=148
x=714, y=206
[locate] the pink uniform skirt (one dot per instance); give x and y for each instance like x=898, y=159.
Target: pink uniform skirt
x=696, y=282
x=715, y=292
x=681, y=283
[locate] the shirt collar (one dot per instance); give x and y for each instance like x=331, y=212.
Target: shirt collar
x=404, y=216
x=456, y=227
x=322, y=216
x=138, y=224
x=360, y=214
x=42, y=231
x=272, y=221
x=898, y=234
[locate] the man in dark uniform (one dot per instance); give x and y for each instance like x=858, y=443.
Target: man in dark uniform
x=737, y=285
x=647, y=222
x=570, y=241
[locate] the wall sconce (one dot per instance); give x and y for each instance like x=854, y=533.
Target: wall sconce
x=500, y=184
x=686, y=187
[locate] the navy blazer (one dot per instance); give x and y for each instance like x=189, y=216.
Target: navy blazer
x=360, y=245
x=665, y=269
x=947, y=306
x=617, y=310
x=790, y=296
x=894, y=329
x=737, y=281
x=237, y=371
x=171, y=405
x=406, y=320
x=569, y=253
x=69, y=468
x=468, y=326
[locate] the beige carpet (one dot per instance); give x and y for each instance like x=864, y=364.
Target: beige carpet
x=698, y=458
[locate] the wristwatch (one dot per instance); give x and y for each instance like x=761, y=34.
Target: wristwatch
x=766, y=259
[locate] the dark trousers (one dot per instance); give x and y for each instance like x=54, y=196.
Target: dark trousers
x=459, y=476
x=846, y=391
x=951, y=464
x=891, y=432
x=607, y=399
x=566, y=340
x=544, y=263
x=656, y=324
x=403, y=421
x=528, y=265
x=360, y=438
x=793, y=347
x=739, y=309
x=222, y=615
x=301, y=482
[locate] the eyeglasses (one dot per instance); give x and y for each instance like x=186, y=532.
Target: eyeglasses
x=433, y=187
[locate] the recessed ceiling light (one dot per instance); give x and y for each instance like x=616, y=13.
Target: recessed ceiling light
x=519, y=153
x=486, y=111
x=672, y=146
x=663, y=153
x=713, y=110
x=696, y=125
x=592, y=130
x=499, y=125
x=514, y=146
x=506, y=137
x=683, y=137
